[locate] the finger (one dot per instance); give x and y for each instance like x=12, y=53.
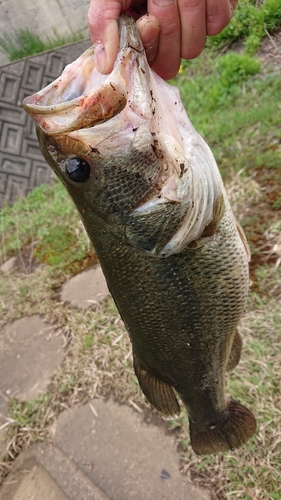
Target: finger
x=193, y=26
x=167, y=61
x=218, y=15
x=149, y=30
x=102, y=20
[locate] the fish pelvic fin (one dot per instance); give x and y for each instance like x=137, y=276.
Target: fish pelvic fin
x=236, y=425
x=235, y=353
x=244, y=240
x=159, y=394
x=218, y=212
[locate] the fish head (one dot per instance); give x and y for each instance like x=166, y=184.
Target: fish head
x=126, y=151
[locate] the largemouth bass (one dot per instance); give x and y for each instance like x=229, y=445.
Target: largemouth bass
x=152, y=200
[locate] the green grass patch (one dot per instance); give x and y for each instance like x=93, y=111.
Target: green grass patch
x=234, y=108
x=24, y=43
x=251, y=22
x=218, y=84
x=47, y=220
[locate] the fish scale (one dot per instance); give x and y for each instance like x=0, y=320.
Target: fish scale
x=152, y=200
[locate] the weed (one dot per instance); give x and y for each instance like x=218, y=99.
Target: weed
x=24, y=43
x=251, y=22
x=218, y=85
x=60, y=242
x=88, y=342
x=26, y=424
x=234, y=110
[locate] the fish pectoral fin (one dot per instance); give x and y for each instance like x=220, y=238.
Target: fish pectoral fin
x=234, y=427
x=159, y=394
x=235, y=353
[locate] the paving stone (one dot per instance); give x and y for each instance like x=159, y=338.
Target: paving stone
x=3, y=421
x=8, y=265
x=3, y=409
x=125, y=457
x=30, y=353
x=45, y=473
x=86, y=288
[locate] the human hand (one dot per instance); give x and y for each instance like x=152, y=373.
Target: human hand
x=169, y=29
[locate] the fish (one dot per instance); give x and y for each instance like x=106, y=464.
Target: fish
x=152, y=200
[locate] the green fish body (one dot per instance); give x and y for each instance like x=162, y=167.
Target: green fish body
x=152, y=200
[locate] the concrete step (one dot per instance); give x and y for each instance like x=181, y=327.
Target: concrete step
x=126, y=457
x=45, y=473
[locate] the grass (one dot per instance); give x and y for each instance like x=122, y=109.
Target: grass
x=252, y=472
x=239, y=115
x=62, y=243
x=252, y=21
x=24, y=43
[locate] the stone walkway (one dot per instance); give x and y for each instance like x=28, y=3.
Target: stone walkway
x=101, y=450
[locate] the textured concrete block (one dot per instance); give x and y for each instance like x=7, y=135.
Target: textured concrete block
x=9, y=87
x=22, y=166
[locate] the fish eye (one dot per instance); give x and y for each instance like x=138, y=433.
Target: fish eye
x=78, y=169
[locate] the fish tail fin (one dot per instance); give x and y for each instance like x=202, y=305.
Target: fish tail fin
x=159, y=394
x=233, y=428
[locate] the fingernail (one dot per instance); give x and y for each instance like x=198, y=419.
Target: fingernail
x=163, y=3
x=100, y=57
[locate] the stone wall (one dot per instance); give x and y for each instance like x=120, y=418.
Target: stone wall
x=22, y=166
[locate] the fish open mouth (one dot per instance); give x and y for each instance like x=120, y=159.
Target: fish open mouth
x=80, y=98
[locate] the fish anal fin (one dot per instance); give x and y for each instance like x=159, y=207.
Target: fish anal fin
x=159, y=394
x=235, y=353
x=233, y=428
